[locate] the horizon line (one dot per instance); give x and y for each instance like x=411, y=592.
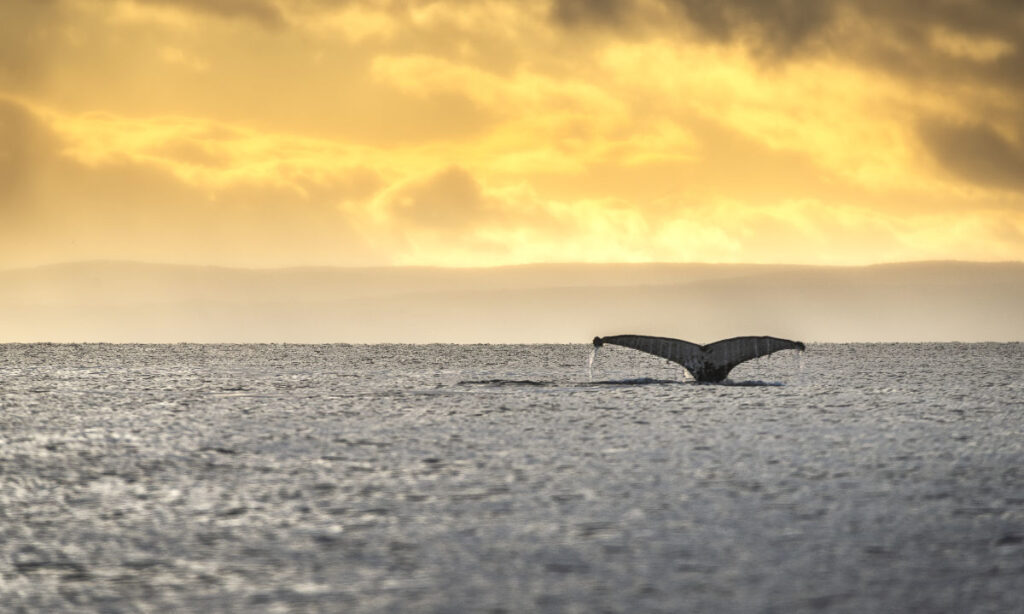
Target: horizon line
x=113, y=261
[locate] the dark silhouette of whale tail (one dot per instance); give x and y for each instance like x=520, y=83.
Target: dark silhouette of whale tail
x=706, y=363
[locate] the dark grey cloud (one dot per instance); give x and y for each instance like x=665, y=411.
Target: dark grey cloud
x=781, y=25
x=913, y=24
x=782, y=28
x=976, y=153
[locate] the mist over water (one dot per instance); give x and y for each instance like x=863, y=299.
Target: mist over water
x=148, y=303
x=372, y=478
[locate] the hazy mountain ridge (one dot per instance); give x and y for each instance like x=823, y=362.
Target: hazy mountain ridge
x=126, y=302
x=96, y=281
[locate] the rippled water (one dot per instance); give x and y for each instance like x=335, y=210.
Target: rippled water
x=446, y=478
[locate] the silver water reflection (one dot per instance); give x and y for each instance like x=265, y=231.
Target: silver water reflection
x=448, y=478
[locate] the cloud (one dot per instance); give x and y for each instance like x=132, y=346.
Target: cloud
x=25, y=149
x=19, y=140
x=27, y=32
x=977, y=48
x=540, y=123
x=437, y=132
x=586, y=12
x=214, y=156
x=976, y=153
x=778, y=26
x=845, y=82
x=177, y=57
x=355, y=22
x=57, y=205
x=934, y=46
x=783, y=26
x=263, y=12
x=450, y=200
x=256, y=200
x=452, y=218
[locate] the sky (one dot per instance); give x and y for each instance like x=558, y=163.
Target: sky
x=271, y=133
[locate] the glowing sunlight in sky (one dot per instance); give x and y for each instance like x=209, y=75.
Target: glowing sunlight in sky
x=266, y=133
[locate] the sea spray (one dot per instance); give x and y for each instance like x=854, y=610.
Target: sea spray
x=800, y=367
x=590, y=363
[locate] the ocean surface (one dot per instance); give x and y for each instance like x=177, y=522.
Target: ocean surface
x=501, y=478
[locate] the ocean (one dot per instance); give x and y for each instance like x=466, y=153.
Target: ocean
x=509, y=478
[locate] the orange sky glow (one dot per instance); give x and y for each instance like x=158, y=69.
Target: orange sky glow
x=269, y=133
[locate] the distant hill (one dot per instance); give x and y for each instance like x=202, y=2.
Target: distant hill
x=134, y=302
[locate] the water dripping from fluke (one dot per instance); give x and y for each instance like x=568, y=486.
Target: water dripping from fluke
x=590, y=363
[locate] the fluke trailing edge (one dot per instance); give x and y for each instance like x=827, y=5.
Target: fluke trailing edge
x=706, y=363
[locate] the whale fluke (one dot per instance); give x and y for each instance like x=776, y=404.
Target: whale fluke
x=706, y=363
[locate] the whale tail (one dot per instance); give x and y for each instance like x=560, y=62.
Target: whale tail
x=706, y=363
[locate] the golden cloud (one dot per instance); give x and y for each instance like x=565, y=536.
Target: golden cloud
x=503, y=132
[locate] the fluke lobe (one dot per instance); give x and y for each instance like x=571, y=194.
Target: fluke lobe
x=706, y=363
